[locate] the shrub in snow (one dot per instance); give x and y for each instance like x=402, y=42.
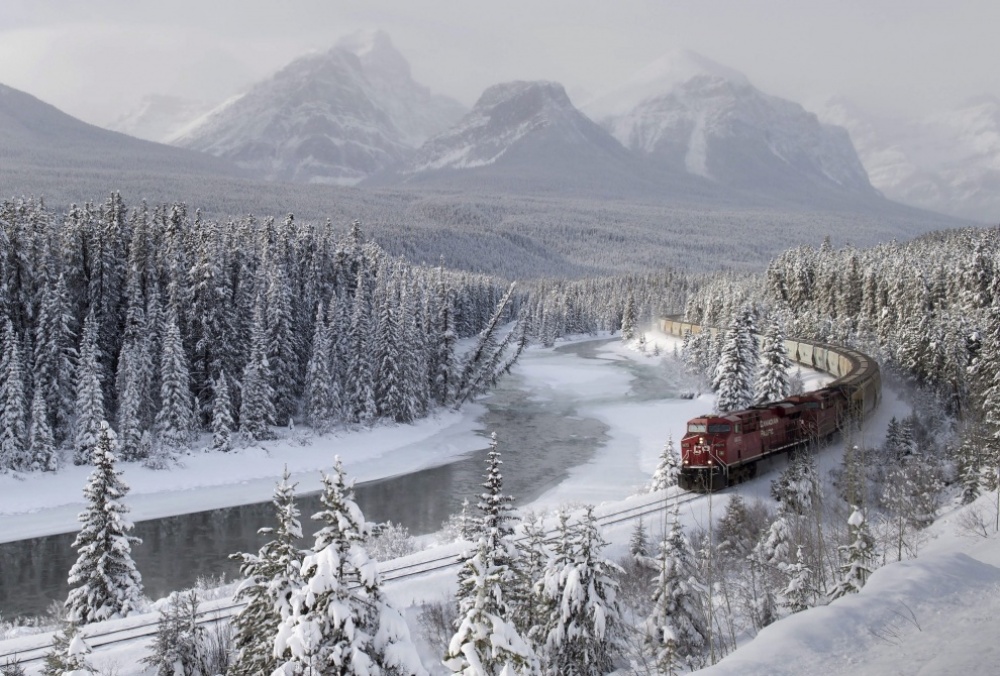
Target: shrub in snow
x=104, y=580
x=390, y=541
x=178, y=649
x=68, y=655
x=857, y=558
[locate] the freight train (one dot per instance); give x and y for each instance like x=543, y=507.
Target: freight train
x=722, y=449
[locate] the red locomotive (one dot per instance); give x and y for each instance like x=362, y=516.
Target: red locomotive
x=720, y=450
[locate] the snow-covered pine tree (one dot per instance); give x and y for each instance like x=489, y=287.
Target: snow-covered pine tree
x=174, y=421
x=677, y=629
x=104, y=582
x=800, y=592
x=257, y=402
x=772, y=374
x=667, y=469
x=441, y=366
x=319, y=376
x=89, y=394
x=480, y=365
x=390, y=397
x=55, y=354
x=628, y=318
x=281, y=341
x=269, y=578
x=487, y=640
x=857, y=557
x=338, y=620
x=41, y=444
x=638, y=544
x=359, y=395
x=733, y=378
x=13, y=416
x=134, y=372
x=69, y=653
x=582, y=627
x=222, y=415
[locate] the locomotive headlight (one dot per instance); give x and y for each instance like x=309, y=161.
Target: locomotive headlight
x=701, y=440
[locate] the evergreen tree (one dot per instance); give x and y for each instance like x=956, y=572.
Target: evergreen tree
x=487, y=641
x=41, y=444
x=583, y=628
x=319, y=376
x=628, y=318
x=104, y=581
x=89, y=394
x=13, y=417
x=360, y=389
x=676, y=629
x=638, y=544
x=222, y=416
x=281, y=343
x=733, y=378
x=174, y=421
x=257, y=409
x=269, y=578
x=668, y=468
x=772, y=375
x=54, y=355
x=800, y=593
x=441, y=367
x=857, y=558
x=338, y=620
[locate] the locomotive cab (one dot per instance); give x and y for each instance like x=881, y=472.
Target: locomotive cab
x=704, y=451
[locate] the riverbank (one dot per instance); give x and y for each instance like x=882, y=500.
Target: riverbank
x=40, y=504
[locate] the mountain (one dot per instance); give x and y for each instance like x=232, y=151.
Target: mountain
x=332, y=118
x=947, y=162
x=159, y=117
x=525, y=137
x=37, y=137
x=690, y=114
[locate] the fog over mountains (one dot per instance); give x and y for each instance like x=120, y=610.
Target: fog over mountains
x=947, y=162
x=682, y=128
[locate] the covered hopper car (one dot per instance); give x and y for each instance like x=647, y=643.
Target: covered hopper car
x=722, y=449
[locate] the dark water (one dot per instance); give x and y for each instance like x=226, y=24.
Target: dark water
x=541, y=440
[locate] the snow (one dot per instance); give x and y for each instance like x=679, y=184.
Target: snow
x=932, y=615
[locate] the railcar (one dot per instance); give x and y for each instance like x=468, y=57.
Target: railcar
x=723, y=449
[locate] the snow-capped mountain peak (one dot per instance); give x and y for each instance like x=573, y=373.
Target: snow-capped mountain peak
x=331, y=117
x=658, y=78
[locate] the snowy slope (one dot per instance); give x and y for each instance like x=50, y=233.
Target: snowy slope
x=691, y=114
x=37, y=136
x=326, y=118
x=159, y=117
x=947, y=162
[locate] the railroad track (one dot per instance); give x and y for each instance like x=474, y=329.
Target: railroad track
x=390, y=573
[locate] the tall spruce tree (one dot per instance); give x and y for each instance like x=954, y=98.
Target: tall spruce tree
x=104, y=582
x=269, y=578
x=222, y=415
x=257, y=404
x=13, y=416
x=487, y=641
x=667, y=469
x=89, y=394
x=772, y=374
x=174, y=421
x=582, y=625
x=338, y=620
x=42, y=449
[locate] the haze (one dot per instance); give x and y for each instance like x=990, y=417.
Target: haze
x=95, y=60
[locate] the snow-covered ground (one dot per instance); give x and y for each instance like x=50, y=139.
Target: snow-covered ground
x=933, y=615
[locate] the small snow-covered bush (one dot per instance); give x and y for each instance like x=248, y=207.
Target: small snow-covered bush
x=390, y=541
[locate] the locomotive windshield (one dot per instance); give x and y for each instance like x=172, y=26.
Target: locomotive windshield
x=696, y=427
x=719, y=429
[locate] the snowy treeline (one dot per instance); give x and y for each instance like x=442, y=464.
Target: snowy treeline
x=169, y=324
x=560, y=308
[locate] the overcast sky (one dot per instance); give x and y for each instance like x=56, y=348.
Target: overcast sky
x=95, y=59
